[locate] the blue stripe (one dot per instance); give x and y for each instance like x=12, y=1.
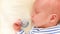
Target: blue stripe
x=55, y=29
x=50, y=30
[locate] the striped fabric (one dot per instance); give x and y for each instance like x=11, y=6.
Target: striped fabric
x=20, y=32
x=50, y=30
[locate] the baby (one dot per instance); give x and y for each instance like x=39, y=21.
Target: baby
x=45, y=18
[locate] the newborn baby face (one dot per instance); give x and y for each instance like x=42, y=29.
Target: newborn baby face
x=45, y=12
x=39, y=18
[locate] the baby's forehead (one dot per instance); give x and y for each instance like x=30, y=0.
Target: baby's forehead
x=52, y=6
x=46, y=5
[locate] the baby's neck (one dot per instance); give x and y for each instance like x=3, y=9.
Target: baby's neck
x=47, y=25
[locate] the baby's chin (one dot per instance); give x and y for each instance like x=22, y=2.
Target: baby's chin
x=39, y=26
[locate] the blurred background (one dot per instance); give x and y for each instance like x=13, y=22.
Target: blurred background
x=10, y=11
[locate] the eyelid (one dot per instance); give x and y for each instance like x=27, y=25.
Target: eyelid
x=36, y=11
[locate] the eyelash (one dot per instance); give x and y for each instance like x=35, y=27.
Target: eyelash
x=36, y=11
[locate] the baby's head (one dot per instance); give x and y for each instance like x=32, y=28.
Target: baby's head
x=45, y=13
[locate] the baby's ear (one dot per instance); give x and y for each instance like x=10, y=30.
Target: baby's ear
x=53, y=17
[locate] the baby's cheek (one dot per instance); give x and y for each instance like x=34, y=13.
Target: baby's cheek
x=36, y=19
